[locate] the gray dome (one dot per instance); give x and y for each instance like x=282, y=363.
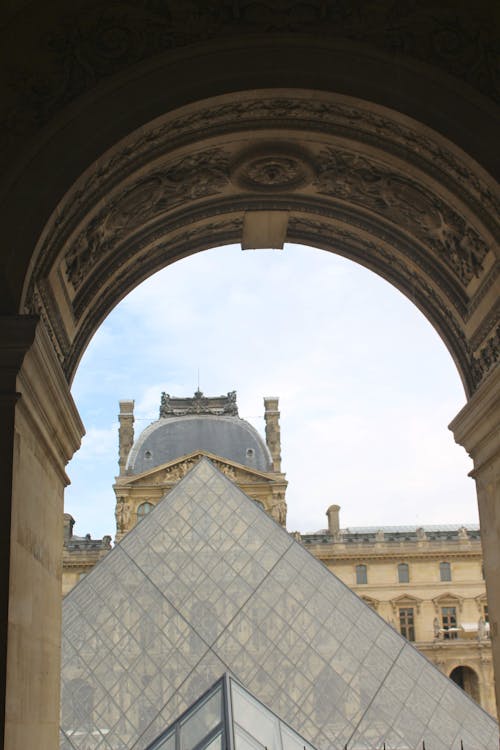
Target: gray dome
x=173, y=437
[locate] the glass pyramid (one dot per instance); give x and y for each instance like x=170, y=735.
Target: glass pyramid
x=208, y=583
x=228, y=716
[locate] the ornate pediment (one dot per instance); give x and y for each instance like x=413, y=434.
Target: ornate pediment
x=174, y=471
x=405, y=600
x=448, y=600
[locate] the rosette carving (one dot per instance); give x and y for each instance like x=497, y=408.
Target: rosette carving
x=272, y=169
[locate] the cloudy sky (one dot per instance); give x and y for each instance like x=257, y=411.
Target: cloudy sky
x=366, y=386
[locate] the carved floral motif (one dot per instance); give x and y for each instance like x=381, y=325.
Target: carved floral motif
x=359, y=180
x=271, y=169
x=191, y=178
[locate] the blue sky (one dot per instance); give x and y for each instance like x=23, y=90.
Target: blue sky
x=366, y=386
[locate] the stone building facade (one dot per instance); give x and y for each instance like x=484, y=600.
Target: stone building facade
x=426, y=582
x=188, y=428
x=80, y=554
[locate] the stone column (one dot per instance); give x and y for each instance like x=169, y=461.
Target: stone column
x=125, y=433
x=39, y=436
x=477, y=428
x=273, y=434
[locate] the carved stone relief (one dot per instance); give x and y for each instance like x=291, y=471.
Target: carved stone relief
x=356, y=179
x=100, y=39
x=273, y=169
x=354, y=120
x=186, y=180
x=147, y=218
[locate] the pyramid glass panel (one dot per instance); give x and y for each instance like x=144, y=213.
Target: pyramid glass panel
x=209, y=583
x=228, y=716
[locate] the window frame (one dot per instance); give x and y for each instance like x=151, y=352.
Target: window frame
x=403, y=573
x=444, y=565
x=449, y=620
x=407, y=623
x=361, y=573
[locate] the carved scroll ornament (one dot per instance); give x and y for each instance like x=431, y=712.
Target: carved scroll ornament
x=189, y=179
x=364, y=182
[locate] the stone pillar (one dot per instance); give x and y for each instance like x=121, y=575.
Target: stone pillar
x=39, y=435
x=273, y=434
x=333, y=520
x=477, y=428
x=125, y=433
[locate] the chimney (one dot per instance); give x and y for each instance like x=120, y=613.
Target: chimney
x=333, y=520
x=125, y=433
x=273, y=435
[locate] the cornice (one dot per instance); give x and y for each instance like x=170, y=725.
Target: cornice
x=361, y=554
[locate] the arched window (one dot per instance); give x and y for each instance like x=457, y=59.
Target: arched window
x=403, y=573
x=143, y=510
x=361, y=574
x=445, y=571
x=467, y=679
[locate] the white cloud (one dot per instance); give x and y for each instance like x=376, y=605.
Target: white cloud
x=366, y=387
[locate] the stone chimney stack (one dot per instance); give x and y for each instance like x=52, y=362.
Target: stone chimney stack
x=125, y=433
x=333, y=520
x=273, y=434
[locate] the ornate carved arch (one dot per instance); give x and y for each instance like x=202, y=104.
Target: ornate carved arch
x=348, y=177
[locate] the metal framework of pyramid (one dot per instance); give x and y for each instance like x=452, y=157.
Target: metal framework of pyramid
x=229, y=717
x=208, y=583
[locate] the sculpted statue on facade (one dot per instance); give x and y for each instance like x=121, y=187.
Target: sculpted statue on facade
x=122, y=515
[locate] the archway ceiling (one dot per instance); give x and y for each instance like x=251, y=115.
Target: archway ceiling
x=350, y=177
x=55, y=51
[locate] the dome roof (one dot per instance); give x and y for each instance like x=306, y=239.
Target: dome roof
x=226, y=436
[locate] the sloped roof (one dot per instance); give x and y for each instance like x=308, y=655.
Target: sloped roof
x=208, y=583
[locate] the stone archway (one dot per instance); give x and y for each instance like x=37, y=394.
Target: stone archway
x=245, y=124
x=320, y=169
x=466, y=678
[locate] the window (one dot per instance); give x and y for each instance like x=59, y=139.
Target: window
x=485, y=613
x=407, y=623
x=445, y=571
x=361, y=575
x=449, y=622
x=143, y=510
x=403, y=574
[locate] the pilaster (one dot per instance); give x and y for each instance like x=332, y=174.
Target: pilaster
x=47, y=431
x=477, y=428
x=16, y=336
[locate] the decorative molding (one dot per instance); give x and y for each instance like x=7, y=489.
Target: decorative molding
x=188, y=179
x=484, y=288
x=128, y=213
x=448, y=599
x=46, y=403
x=333, y=118
x=407, y=204
x=405, y=600
x=45, y=306
x=198, y=404
x=273, y=169
x=85, y=46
